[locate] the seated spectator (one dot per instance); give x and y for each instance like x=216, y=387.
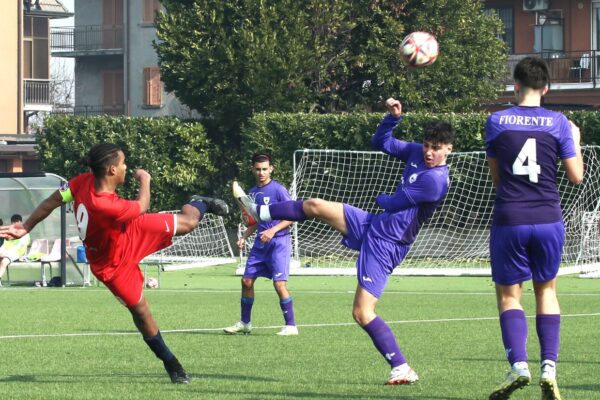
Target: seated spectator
x=12, y=250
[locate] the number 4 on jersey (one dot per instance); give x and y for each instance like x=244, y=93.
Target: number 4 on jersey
x=527, y=154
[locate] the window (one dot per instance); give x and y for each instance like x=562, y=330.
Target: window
x=153, y=87
x=112, y=92
x=151, y=7
x=31, y=166
x=506, y=16
x=548, y=33
x=35, y=48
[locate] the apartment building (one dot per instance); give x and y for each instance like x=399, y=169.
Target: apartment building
x=25, y=79
x=116, y=67
x=566, y=33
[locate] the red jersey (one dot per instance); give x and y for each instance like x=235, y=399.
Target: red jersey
x=102, y=219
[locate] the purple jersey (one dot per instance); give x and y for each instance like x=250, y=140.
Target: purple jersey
x=418, y=194
x=527, y=143
x=272, y=192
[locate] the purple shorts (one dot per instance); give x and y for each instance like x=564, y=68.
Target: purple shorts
x=377, y=257
x=523, y=252
x=270, y=260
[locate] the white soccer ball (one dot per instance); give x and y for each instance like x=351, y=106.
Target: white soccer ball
x=152, y=283
x=419, y=49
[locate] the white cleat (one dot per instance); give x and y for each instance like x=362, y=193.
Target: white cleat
x=402, y=375
x=288, y=330
x=548, y=381
x=244, y=201
x=517, y=378
x=239, y=327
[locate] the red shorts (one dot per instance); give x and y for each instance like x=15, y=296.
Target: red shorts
x=143, y=236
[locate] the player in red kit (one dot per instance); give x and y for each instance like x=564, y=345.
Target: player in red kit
x=118, y=234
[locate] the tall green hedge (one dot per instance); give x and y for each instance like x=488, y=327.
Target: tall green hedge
x=175, y=153
x=178, y=154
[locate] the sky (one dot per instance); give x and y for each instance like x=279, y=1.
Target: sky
x=58, y=62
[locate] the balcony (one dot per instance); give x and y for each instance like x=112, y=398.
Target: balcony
x=86, y=40
x=568, y=70
x=37, y=94
x=91, y=110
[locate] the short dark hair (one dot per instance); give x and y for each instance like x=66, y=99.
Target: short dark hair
x=261, y=157
x=532, y=72
x=16, y=218
x=439, y=132
x=100, y=157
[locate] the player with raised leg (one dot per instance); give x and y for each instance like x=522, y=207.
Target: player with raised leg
x=118, y=234
x=523, y=146
x=270, y=254
x=381, y=239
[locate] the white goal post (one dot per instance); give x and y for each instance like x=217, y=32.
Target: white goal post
x=207, y=245
x=455, y=240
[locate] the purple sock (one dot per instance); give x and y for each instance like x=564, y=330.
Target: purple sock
x=289, y=210
x=384, y=340
x=287, y=307
x=246, y=308
x=201, y=206
x=513, y=325
x=548, y=331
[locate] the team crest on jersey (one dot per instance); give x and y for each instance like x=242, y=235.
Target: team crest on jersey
x=64, y=187
x=412, y=178
x=267, y=200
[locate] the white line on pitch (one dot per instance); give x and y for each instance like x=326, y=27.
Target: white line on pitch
x=192, y=330
x=341, y=291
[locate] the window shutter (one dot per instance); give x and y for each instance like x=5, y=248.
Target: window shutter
x=151, y=7
x=153, y=92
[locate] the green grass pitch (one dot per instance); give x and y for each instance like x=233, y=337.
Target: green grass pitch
x=80, y=343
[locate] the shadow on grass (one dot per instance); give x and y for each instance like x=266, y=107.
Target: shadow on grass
x=592, y=388
x=395, y=393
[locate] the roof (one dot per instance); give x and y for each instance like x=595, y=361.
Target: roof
x=50, y=8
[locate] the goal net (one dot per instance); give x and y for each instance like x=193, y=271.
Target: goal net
x=455, y=240
x=206, y=245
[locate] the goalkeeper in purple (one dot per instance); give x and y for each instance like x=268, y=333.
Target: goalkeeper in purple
x=384, y=239
x=523, y=146
x=271, y=252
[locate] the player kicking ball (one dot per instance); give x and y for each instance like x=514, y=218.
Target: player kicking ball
x=118, y=234
x=384, y=239
x=523, y=145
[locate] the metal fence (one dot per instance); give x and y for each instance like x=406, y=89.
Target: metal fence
x=90, y=110
x=38, y=91
x=564, y=66
x=86, y=38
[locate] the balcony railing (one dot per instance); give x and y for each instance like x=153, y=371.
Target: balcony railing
x=38, y=92
x=572, y=68
x=87, y=38
x=90, y=110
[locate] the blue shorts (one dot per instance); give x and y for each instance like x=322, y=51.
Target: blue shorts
x=377, y=258
x=523, y=252
x=270, y=260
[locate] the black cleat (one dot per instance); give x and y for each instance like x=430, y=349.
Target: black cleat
x=215, y=206
x=176, y=371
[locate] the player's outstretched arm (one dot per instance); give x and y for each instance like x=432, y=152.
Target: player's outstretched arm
x=383, y=140
x=39, y=214
x=143, y=177
x=574, y=166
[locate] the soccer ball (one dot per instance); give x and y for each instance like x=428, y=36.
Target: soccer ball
x=419, y=49
x=152, y=283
